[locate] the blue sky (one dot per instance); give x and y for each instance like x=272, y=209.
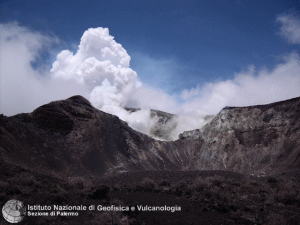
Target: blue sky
x=207, y=40
x=176, y=47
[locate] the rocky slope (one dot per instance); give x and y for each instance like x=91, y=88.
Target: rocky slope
x=72, y=138
x=256, y=139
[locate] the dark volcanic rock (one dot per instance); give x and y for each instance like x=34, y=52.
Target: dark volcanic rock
x=72, y=138
x=193, y=134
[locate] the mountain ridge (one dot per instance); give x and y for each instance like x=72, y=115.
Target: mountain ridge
x=72, y=138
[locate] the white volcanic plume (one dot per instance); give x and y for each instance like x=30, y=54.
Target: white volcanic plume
x=102, y=65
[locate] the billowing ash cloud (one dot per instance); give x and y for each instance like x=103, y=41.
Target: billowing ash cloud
x=100, y=71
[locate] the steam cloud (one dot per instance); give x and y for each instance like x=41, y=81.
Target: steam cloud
x=100, y=71
x=102, y=65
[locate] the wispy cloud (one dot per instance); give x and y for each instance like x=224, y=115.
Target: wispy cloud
x=290, y=27
x=156, y=72
x=249, y=87
x=22, y=89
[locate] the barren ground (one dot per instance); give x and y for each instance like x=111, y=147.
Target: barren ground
x=205, y=197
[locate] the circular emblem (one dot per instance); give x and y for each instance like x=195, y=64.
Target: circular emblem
x=14, y=211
